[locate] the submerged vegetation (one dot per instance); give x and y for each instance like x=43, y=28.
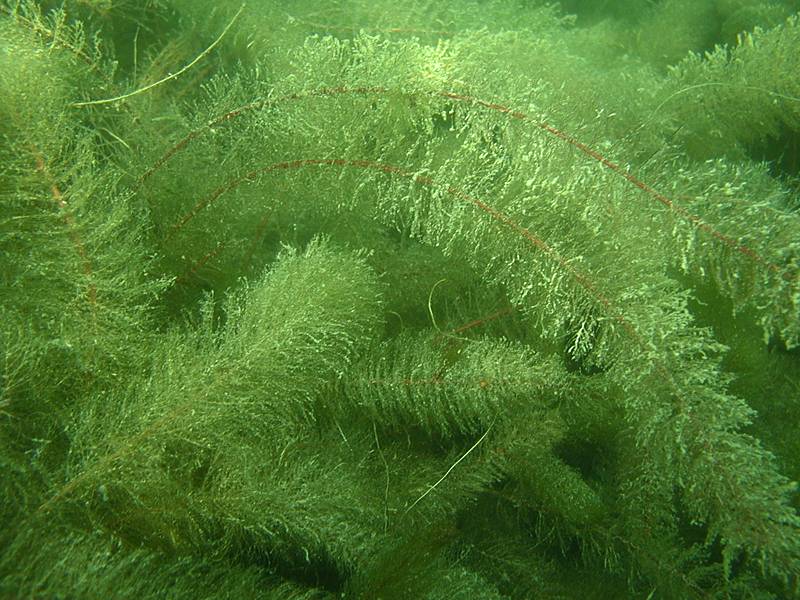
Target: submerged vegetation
x=455, y=299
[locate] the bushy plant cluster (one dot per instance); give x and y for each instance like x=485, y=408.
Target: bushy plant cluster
x=455, y=299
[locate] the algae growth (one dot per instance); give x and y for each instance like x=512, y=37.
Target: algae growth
x=466, y=299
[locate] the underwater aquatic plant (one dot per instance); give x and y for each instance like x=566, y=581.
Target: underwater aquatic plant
x=492, y=311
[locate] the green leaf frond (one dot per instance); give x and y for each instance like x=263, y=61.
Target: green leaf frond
x=461, y=299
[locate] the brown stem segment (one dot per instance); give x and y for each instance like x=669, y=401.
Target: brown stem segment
x=684, y=214
x=72, y=230
x=478, y=322
x=192, y=270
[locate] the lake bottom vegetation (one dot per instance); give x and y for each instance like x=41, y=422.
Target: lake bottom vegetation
x=471, y=299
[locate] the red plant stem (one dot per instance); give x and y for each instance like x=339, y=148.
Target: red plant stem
x=594, y=154
x=548, y=250
x=199, y=264
x=695, y=220
x=39, y=28
x=167, y=156
x=72, y=229
x=236, y=112
x=134, y=443
x=478, y=322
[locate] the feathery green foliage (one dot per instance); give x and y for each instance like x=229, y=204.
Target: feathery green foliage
x=472, y=299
